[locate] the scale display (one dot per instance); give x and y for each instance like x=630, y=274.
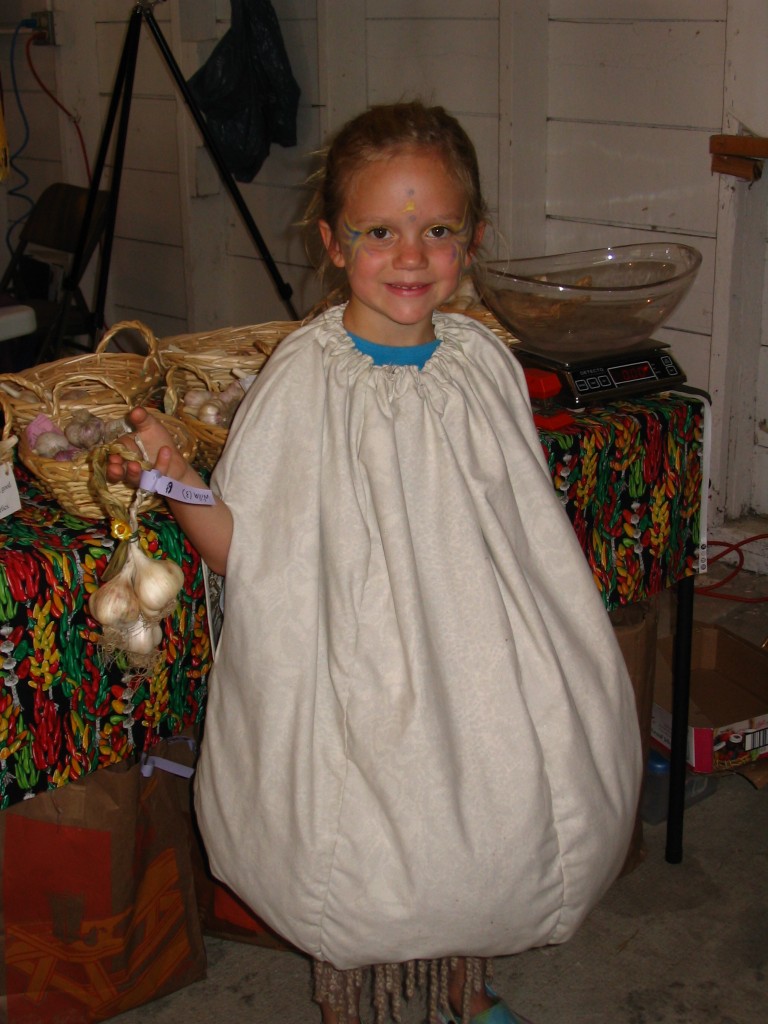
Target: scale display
x=604, y=378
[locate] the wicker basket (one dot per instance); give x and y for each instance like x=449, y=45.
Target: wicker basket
x=77, y=485
x=210, y=437
x=484, y=316
x=136, y=377
x=7, y=441
x=220, y=353
x=212, y=361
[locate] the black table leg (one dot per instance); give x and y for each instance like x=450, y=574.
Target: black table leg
x=681, y=688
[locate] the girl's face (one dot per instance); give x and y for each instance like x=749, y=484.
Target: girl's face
x=404, y=240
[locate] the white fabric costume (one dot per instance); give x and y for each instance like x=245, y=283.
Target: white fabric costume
x=421, y=739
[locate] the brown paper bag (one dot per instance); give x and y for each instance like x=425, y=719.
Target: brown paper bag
x=636, y=629
x=222, y=914
x=98, y=910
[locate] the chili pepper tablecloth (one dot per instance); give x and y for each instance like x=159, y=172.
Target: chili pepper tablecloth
x=632, y=476
x=65, y=712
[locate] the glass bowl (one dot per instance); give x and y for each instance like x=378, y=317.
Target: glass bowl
x=578, y=304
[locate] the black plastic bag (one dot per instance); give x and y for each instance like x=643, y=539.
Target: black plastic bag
x=246, y=89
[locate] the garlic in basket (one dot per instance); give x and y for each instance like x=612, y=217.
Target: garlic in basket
x=215, y=409
x=84, y=430
x=51, y=443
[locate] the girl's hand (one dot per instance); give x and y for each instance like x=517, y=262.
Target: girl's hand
x=155, y=441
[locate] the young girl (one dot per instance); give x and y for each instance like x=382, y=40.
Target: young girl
x=421, y=743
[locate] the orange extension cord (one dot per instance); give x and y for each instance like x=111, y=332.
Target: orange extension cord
x=73, y=119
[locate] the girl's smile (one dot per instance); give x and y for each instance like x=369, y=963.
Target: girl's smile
x=404, y=240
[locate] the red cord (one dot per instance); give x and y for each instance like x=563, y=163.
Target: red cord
x=47, y=91
x=711, y=590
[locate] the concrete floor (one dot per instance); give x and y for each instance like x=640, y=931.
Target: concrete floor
x=668, y=944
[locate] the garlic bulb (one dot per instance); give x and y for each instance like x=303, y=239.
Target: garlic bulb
x=216, y=409
x=139, y=638
x=115, y=603
x=114, y=429
x=211, y=412
x=50, y=443
x=156, y=582
x=84, y=430
x=138, y=591
x=194, y=398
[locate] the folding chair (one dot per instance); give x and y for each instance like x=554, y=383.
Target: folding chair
x=42, y=272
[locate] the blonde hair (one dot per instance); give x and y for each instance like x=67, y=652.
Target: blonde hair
x=379, y=132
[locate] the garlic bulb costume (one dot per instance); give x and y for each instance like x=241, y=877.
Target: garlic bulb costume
x=421, y=739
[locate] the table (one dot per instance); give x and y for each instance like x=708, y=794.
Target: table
x=632, y=477
x=65, y=708
x=629, y=475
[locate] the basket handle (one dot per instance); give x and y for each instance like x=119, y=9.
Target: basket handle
x=76, y=378
x=5, y=444
x=147, y=336
x=171, y=398
x=12, y=383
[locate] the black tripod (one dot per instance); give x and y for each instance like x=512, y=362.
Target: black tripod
x=121, y=101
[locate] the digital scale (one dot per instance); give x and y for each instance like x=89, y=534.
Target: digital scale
x=600, y=377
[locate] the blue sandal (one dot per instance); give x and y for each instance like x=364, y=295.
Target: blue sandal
x=499, y=1013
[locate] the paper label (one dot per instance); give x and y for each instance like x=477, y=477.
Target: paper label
x=10, y=501
x=153, y=481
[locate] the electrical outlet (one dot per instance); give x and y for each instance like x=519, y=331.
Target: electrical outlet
x=45, y=35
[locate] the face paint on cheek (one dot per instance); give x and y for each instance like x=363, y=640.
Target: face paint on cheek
x=460, y=238
x=350, y=241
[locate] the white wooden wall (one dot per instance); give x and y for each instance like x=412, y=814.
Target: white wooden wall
x=591, y=119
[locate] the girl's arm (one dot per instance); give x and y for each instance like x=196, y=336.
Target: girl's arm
x=207, y=527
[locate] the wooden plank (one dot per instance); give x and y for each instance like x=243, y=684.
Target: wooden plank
x=42, y=131
x=77, y=87
x=663, y=10
x=148, y=208
x=300, y=39
x=291, y=165
x=642, y=177
x=252, y=297
x=291, y=10
x=522, y=173
x=460, y=9
x=747, y=289
x=342, y=83
x=277, y=212
x=740, y=167
x=761, y=427
x=161, y=326
x=453, y=63
x=152, y=77
x=151, y=143
x=628, y=72
x=120, y=11
x=760, y=494
x=739, y=145
x=746, y=84
x=148, y=277
x=692, y=353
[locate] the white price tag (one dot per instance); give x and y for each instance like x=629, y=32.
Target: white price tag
x=10, y=501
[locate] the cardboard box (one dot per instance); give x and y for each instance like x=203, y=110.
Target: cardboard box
x=728, y=713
